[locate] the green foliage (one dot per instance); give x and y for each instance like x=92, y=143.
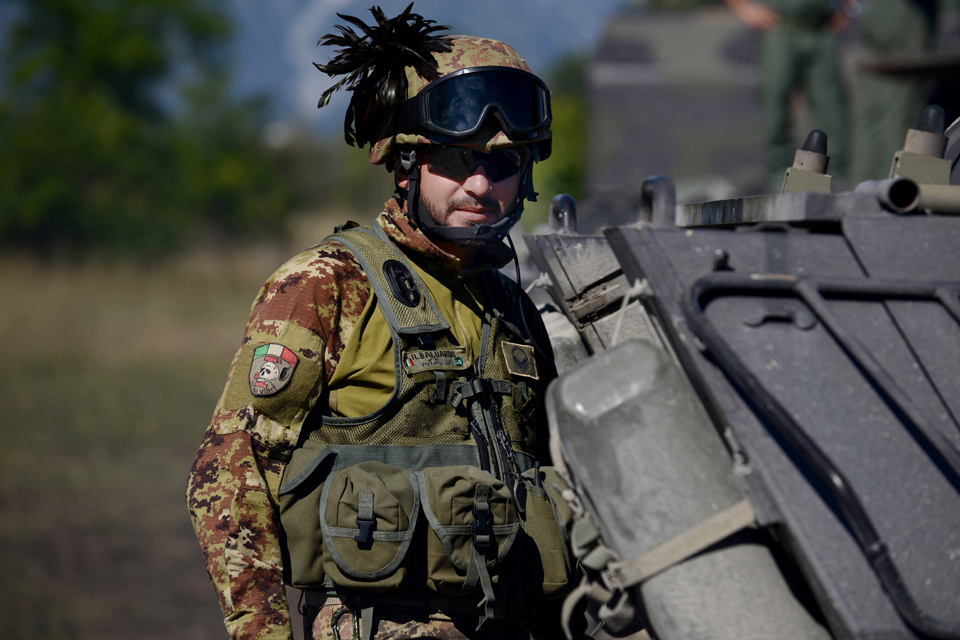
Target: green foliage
x=91, y=158
x=331, y=178
x=565, y=170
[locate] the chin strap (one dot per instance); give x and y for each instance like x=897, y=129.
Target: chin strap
x=488, y=233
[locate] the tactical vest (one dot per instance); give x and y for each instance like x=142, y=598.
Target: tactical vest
x=436, y=498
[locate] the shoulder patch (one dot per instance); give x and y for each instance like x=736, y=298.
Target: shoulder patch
x=271, y=369
x=519, y=360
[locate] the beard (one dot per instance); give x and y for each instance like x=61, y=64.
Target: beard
x=441, y=215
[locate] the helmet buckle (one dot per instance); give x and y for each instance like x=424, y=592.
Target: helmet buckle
x=408, y=158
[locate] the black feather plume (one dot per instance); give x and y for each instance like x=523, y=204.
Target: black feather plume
x=372, y=64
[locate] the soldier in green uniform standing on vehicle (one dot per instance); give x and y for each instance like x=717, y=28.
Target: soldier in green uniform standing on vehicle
x=798, y=50
x=886, y=106
x=381, y=442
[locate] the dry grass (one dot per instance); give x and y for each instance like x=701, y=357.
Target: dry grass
x=111, y=374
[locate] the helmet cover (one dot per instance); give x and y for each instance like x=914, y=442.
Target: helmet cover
x=466, y=52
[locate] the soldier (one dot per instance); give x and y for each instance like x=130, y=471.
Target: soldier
x=798, y=49
x=886, y=106
x=380, y=442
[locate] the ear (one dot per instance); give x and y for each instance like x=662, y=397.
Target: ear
x=401, y=178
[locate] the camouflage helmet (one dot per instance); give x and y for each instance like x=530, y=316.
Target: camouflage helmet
x=412, y=87
x=466, y=52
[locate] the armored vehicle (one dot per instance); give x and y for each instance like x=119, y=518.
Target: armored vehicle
x=759, y=409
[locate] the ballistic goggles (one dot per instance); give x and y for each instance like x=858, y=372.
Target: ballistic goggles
x=457, y=104
x=459, y=163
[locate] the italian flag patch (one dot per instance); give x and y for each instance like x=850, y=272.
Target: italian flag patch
x=271, y=369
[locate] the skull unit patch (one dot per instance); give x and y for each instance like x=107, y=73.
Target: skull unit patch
x=271, y=369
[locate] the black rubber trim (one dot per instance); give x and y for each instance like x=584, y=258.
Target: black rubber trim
x=813, y=292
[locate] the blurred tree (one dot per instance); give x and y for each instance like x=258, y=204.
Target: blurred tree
x=104, y=148
x=565, y=170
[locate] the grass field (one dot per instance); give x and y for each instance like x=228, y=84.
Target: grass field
x=112, y=373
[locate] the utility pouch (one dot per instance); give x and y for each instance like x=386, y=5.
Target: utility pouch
x=368, y=515
x=473, y=525
x=549, y=564
x=299, y=498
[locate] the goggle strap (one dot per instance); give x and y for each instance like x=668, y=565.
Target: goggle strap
x=402, y=118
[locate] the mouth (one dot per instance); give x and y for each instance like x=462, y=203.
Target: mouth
x=475, y=215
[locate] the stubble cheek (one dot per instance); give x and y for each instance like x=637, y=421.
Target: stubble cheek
x=439, y=214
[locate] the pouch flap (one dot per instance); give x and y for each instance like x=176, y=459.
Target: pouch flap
x=453, y=496
x=368, y=515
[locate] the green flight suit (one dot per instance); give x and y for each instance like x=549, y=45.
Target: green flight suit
x=886, y=106
x=801, y=54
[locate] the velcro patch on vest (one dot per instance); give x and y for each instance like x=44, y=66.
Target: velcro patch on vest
x=271, y=369
x=520, y=360
x=435, y=360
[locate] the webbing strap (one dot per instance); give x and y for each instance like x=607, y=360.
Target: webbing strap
x=418, y=456
x=451, y=605
x=586, y=590
x=440, y=393
x=366, y=623
x=365, y=509
x=469, y=388
x=628, y=573
x=483, y=537
x=372, y=248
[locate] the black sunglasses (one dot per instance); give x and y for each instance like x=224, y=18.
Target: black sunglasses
x=459, y=163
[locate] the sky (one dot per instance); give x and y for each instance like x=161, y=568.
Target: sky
x=276, y=41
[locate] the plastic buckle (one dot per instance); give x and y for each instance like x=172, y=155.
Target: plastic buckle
x=365, y=537
x=408, y=158
x=611, y=579
x=482, y=528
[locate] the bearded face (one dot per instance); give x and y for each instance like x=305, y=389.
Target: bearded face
x=475, y=200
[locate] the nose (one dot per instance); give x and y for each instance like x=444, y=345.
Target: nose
x=478, y=184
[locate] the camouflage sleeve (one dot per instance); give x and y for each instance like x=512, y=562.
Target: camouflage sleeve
x=309, y=307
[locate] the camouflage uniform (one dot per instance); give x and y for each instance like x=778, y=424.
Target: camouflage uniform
x=311, y=304
x=396, y=623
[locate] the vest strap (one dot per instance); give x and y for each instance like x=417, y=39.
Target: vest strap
x=374, y=249
x=333, y=457
x=628, y=573
x=440, y=393
x=470, y=388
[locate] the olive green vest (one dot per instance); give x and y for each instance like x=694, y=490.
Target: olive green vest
x=430, y=493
